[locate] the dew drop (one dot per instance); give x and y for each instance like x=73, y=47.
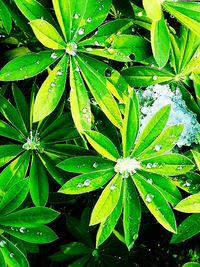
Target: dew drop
x=21, y=69
x=95, y=165
x=155, y=77
x=89, y=49
x=77, y=69
x=11, y=255
x=149, y=165
x=112, y=187
x=188, y=183
x=179, y=168
x=79, y=185
x=22, y=229
x=149, y=197
x=157, y=147
x=38, y=62
x=81, y=31
x=139, y=14
x=59, y=73
x=111, y=50
x=76, y=16
x=97, y=43
x=87, y=182
x=84, y=110
x=2, y=243
x=155, y=165
x=53, y=84
x=108, y=73
x=53, y=55
x=150, y=181
x=89, y=20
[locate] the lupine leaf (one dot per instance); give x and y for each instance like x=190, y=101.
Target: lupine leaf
x=5, y=17
x=153, y=9
x=189, y=204
x=8, y=152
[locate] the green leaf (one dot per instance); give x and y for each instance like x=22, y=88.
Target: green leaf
x=5, y=17
x=87, y=16
x=29, y=65
x=47, y=34
x=51, y=91
x=196, y=80
x=106, y=227
x=152, y=130
x=8, y=131
x=156, y=203
x=30, y=217
x=168, y=164
x=189, y=182
x=75, y=248
x=22, y=106
x=160, y=41
x=85, y=164
x=14, y=172
x=130, y=124
x=33, y=9
x=107, y=200
x=188, y=228
x=12, y=255
x=102, y=145
x=98, y=87
x=2, y=262
x=196, y=156
x=79, y=99
x=144, y=76
x=38, y=235
x=163, y=143
x=164, y=185
x=9, y=152
x=186, y=20
x=14, y=197
x=153, y=9
x=87, y=182
x=191, y=264
x=11, y=114
x=39, y=185
x=189, y=204
x=131, y=213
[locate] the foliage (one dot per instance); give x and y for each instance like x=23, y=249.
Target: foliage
x=105, y=101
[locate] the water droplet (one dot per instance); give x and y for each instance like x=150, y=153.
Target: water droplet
x=38, y=62
x=11, y=255
x=111, y=50
x=79, y=185
x=89, y=20
x=76, y=16
x=125, y=174
x=97, y=43
x=2, y=243
x=112, y=187
x=21, y=69
x=149, y=197
x=87, y=182
x=39, y=233
x=95, y=165
x=22, y=229
x=179, y=168
x=77, y=69
x=108, y=73
x=140, y=14
x=59, y=73
x=53, y=55
x=157, y=147
x=53, y=84
x=84, y=110
x=135, y=236
x=89, y=49
x=155, y=77
x=150, y=181
x=155, y=165
x=81, y=31
x=188, y=183
x=12, y=228
x=149, y=165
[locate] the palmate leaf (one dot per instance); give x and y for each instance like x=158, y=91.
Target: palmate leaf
x=131, y=213
x=29, y=65
x=106, y=227
x=102, y=145
x=168, y=164
x=130, y=124
x=98, y=87
x=107, y=200
x=79, y=99
x=85, y=164
x=51, y=91
x=47, y=34
x=87, y=182
x=155, y=202
x=39, y=235
x=29, y=217
x=190, y=204
x=188, y=228
x=152, y=130
x=12, y=255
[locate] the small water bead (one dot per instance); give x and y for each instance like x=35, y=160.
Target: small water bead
x=95, y=165
x=84, y=110
x=39, y=233
x=188, y=183
x=59, y=73
x=179, y=168
x=157, y=147
x=112, y=187
x=38, y=62
x=87, y=182
x=77, y=69
x=53, y=84
x=22, y=229
x=53, y=55
x=20, y=69
x=149, y=165
x=11, y=255
x=79, y=185
x=2, y=243
x=76, y=16
x=89, y=49
x=150, y=181
x=97, y=43
x=155, y=165
x=81, y=31
x=155, y=77
x=89, y=20
x=149, y=198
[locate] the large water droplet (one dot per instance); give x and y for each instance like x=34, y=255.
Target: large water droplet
x=112, y=187
x=95, y=165
x=87, y=182
x=81, y=31
x=2, y=243
x=149, y=197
